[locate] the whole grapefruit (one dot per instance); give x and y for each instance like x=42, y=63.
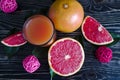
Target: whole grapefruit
x=66, y=56
x=67, y=15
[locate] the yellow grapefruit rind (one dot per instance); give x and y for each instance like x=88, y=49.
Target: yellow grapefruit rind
x=67, y=29
x=82, y=60
x=104, y=43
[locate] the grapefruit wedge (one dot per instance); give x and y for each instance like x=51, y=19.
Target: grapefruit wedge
x=95, y=33
x=14, y=40
x=66, y=56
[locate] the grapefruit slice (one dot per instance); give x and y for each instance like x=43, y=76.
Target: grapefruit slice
x=66, y=56
x=95, y=33
x=14, y=40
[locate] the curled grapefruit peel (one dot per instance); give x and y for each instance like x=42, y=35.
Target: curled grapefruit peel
x=31, y=63
x=104, y=54
x=8, y=6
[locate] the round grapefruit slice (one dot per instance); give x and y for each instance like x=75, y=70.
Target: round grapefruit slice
x=95, y=33
x=14, y=40
x=66, y=56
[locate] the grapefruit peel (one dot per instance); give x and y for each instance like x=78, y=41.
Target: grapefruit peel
x=8, y=6
x=103, y=54
x=31, y=63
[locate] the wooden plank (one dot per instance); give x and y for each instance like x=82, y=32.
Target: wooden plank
x=107, y=12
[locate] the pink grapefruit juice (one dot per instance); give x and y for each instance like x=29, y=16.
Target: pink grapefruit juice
x=39, y=30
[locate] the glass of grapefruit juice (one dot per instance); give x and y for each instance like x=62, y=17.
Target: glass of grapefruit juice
x=39, y=30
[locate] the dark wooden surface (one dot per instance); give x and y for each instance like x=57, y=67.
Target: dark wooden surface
x=107, y=12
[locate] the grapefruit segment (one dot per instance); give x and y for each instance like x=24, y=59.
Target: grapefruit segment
x=95, y=33
x=14, y=40
x=66, y=56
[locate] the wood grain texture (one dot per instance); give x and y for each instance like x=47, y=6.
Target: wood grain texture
x=107, y=12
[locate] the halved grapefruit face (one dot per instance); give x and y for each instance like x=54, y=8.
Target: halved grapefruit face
x=66, y=56
x=95, y=33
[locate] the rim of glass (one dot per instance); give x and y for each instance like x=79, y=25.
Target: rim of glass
x=52, y=35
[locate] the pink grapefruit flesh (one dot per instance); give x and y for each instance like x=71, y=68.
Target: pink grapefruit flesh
x=66, y=56
x=14, y=40
x=95, y=33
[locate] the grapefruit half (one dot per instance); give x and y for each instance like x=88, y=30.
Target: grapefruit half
x=66, y=56
x=95, y=33
x=14, y=40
